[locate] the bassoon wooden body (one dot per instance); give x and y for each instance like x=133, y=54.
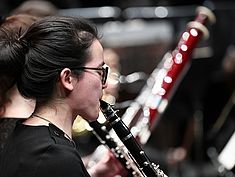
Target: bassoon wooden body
x=143, y=114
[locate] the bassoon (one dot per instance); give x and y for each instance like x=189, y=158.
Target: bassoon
x=144, y=113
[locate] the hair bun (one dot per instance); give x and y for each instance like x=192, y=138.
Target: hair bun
x=25, y=44
x=21, y=39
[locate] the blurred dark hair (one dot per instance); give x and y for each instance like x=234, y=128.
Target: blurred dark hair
x=19, y=22
x=11, y=51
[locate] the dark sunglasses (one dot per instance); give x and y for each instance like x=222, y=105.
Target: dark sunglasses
x=104, y=72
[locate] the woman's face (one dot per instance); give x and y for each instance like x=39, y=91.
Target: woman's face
x=89, y=87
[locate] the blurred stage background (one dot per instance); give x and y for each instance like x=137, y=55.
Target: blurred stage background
x=199, y=120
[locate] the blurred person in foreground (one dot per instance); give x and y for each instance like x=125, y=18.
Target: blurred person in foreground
x=39, y=8
x=12, y=105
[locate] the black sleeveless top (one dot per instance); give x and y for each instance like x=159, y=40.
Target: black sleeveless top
x=7, y=126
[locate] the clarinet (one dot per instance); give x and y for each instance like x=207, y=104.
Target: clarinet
x=103, y=135
x=144, y=113
x=144, y=164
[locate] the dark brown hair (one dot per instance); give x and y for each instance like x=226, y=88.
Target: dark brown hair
x=11, y=60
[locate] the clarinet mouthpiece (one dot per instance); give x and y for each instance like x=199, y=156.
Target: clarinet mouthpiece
x=103, y=105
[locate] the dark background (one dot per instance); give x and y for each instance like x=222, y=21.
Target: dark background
x=202, y=93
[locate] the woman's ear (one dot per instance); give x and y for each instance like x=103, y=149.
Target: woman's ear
x=66, y=79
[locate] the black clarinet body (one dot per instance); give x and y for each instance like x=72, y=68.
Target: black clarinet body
x=144, y=164
x=101, y=132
